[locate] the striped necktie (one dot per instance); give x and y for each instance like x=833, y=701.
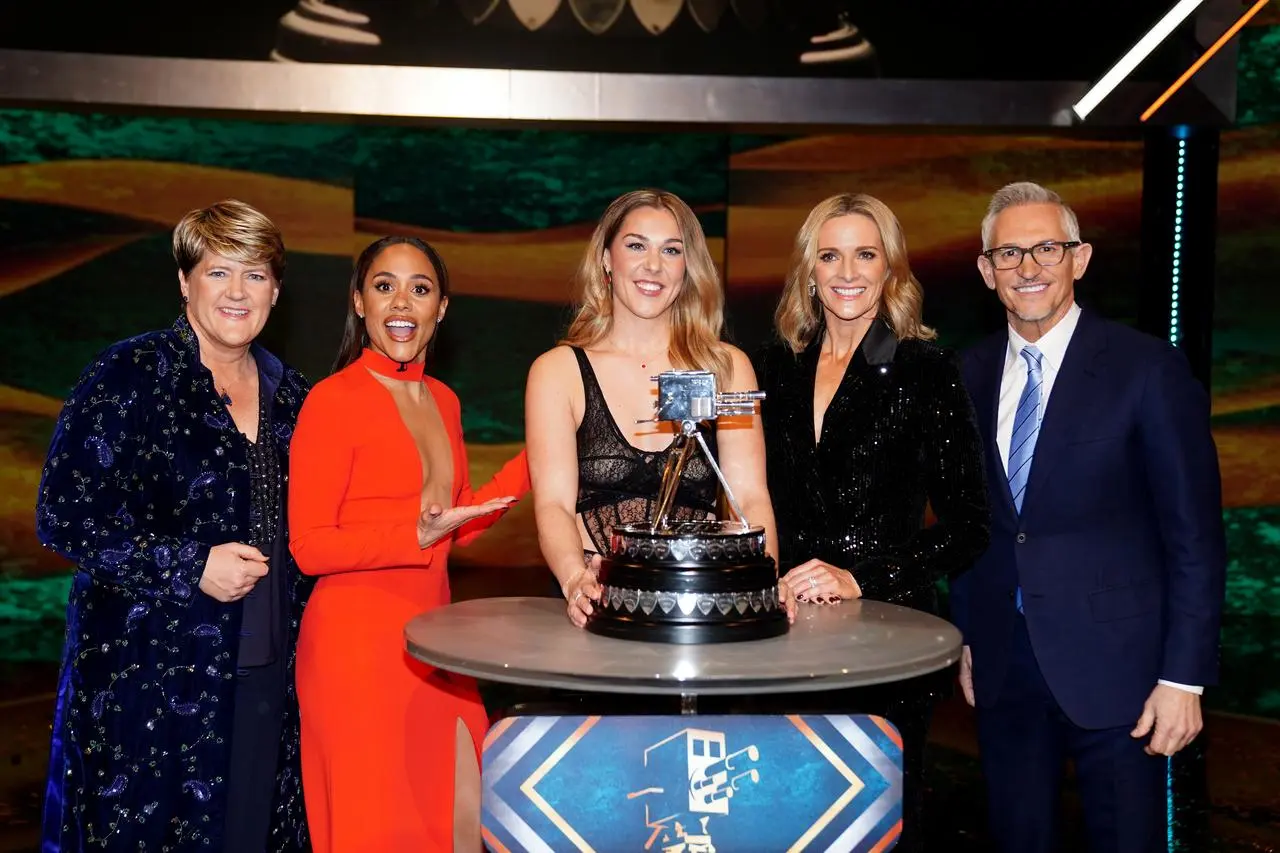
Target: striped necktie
x=1026, y=429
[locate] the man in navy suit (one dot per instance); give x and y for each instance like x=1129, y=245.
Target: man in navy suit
x=1091, y=622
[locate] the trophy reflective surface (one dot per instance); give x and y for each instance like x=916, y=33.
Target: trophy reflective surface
x=691, y=581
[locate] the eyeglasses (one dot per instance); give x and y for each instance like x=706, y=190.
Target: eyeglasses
x=1047, y=254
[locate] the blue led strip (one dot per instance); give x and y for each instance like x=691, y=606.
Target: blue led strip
x=1175, y=281
x=1175, y=334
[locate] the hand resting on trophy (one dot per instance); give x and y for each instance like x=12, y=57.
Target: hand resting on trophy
x=582, y=589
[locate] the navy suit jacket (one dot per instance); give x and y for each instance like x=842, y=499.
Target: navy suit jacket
x=1119, y=550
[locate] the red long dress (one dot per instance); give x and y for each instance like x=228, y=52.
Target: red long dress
x=378, y=727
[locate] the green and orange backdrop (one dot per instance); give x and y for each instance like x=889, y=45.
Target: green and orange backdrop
x=87, y=202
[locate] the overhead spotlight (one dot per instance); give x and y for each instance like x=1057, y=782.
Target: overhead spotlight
x=1140, y=51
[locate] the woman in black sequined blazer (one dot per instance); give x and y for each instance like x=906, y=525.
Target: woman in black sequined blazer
x=176, y=726
x=866, y=422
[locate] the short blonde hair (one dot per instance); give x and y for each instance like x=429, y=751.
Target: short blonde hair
x=697, y=316
x=799, y=315
x=233, y=230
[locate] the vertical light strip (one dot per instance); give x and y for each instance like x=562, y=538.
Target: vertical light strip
x=1175, y=280
x=1169, y=844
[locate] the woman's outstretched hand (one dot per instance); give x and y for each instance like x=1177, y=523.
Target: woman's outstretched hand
x=437, y=522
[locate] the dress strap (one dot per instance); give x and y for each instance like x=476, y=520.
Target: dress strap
x=590, y=384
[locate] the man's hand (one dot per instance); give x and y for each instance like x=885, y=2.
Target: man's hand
x=966, y=675
x=1172, y=717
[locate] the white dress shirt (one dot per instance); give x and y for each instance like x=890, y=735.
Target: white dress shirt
x=1053, y=348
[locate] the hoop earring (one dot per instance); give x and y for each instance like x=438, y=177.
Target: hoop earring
x=608, y=276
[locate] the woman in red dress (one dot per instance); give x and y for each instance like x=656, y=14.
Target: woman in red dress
x=378, y=494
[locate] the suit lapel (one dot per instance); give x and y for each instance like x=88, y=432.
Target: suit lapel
x=986, y=402
x=1069, y=401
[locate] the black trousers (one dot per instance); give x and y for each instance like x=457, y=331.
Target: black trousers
x=255, y=756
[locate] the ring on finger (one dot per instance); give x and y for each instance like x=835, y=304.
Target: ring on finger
x=576, y=596
x=813, y=583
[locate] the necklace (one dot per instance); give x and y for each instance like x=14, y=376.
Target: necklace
x=644, y=365
x=224, y=396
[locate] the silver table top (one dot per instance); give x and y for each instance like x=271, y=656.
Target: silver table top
x=531, y=641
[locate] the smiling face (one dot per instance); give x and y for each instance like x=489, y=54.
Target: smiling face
x=1035, y=297
x=646, y=262
x=401, y=303
x=851, y=269
x=228, y=301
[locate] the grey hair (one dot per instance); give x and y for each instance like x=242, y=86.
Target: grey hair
x=1025, y=192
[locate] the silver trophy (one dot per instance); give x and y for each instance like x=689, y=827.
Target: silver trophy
x=689, y=581
x=688, y=397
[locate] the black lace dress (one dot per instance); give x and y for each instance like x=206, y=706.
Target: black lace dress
x=618, y=483
x=898, y=435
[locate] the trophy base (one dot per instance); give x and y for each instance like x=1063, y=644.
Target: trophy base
x=692, y=583
x=689, y=634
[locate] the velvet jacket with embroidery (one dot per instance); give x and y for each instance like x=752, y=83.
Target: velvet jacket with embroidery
x=145, y=474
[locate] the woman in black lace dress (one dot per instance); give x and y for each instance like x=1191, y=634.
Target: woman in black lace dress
x=650, y=301
x=867, y=422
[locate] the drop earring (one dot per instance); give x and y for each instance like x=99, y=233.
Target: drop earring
x=813, y=289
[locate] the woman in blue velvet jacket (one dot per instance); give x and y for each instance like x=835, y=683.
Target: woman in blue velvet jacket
x=176, y=725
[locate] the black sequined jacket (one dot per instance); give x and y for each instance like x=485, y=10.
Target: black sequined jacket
x=145, y=473
x=899, y=434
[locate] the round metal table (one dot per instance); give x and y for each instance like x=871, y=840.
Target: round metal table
x=531, y=641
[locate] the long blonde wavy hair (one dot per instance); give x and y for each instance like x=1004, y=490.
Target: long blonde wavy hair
x=799, y=316
x=697, y=315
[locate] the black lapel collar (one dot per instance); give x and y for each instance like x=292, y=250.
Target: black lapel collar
x=879, y=346
x=872, y=360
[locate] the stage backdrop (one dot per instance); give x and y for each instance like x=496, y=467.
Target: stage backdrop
x=87, y=201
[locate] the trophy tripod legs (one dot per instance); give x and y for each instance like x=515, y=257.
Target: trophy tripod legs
x=672, y=472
